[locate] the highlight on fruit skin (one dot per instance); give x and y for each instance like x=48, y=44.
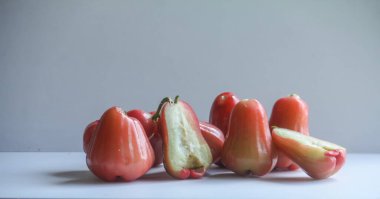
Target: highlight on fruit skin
x=248, y=149
x=119, y=149
x=318, y=158
x=214, y=138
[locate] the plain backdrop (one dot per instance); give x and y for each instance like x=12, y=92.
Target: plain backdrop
x=63, y=63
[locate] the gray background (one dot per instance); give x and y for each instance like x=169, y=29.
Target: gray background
x=63, y=63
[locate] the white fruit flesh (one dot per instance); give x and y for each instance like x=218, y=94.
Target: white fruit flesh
x=186, y=150
x=306, y=140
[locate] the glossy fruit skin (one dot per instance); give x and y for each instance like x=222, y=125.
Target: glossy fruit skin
x=221, y=110
x=88, y=132
x=119, y=148
x=156, y=142
x=317, y=162
x=152, y=131
x=289, y=112
x=248, y=149
x=168, y=160
x=214, y=138
x=150, y=127
x=144, y=118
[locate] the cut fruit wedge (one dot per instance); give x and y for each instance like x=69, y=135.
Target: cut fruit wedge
x=318, y=158
x=186, y=153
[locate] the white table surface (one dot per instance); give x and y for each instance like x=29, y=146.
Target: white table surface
x=65, y=175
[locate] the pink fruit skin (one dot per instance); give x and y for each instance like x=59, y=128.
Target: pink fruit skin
x=292, y=113
x=316, y=167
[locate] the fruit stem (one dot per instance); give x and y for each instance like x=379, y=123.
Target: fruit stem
x=176, y=99
x=157, y=114
x=294, y=95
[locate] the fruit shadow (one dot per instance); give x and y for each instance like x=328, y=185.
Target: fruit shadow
x=87, y=178
x=287, y=180
x=269, y=178
x=156, y=176
x=76, y=177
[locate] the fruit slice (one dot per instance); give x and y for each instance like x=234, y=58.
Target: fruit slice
x=186, y=153
x=319, y=159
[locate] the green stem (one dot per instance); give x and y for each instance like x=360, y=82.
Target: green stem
x=157, y=114
x=176, y=99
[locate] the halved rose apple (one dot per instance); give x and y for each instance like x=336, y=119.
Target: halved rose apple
x=186, y=153
x=319, y=159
